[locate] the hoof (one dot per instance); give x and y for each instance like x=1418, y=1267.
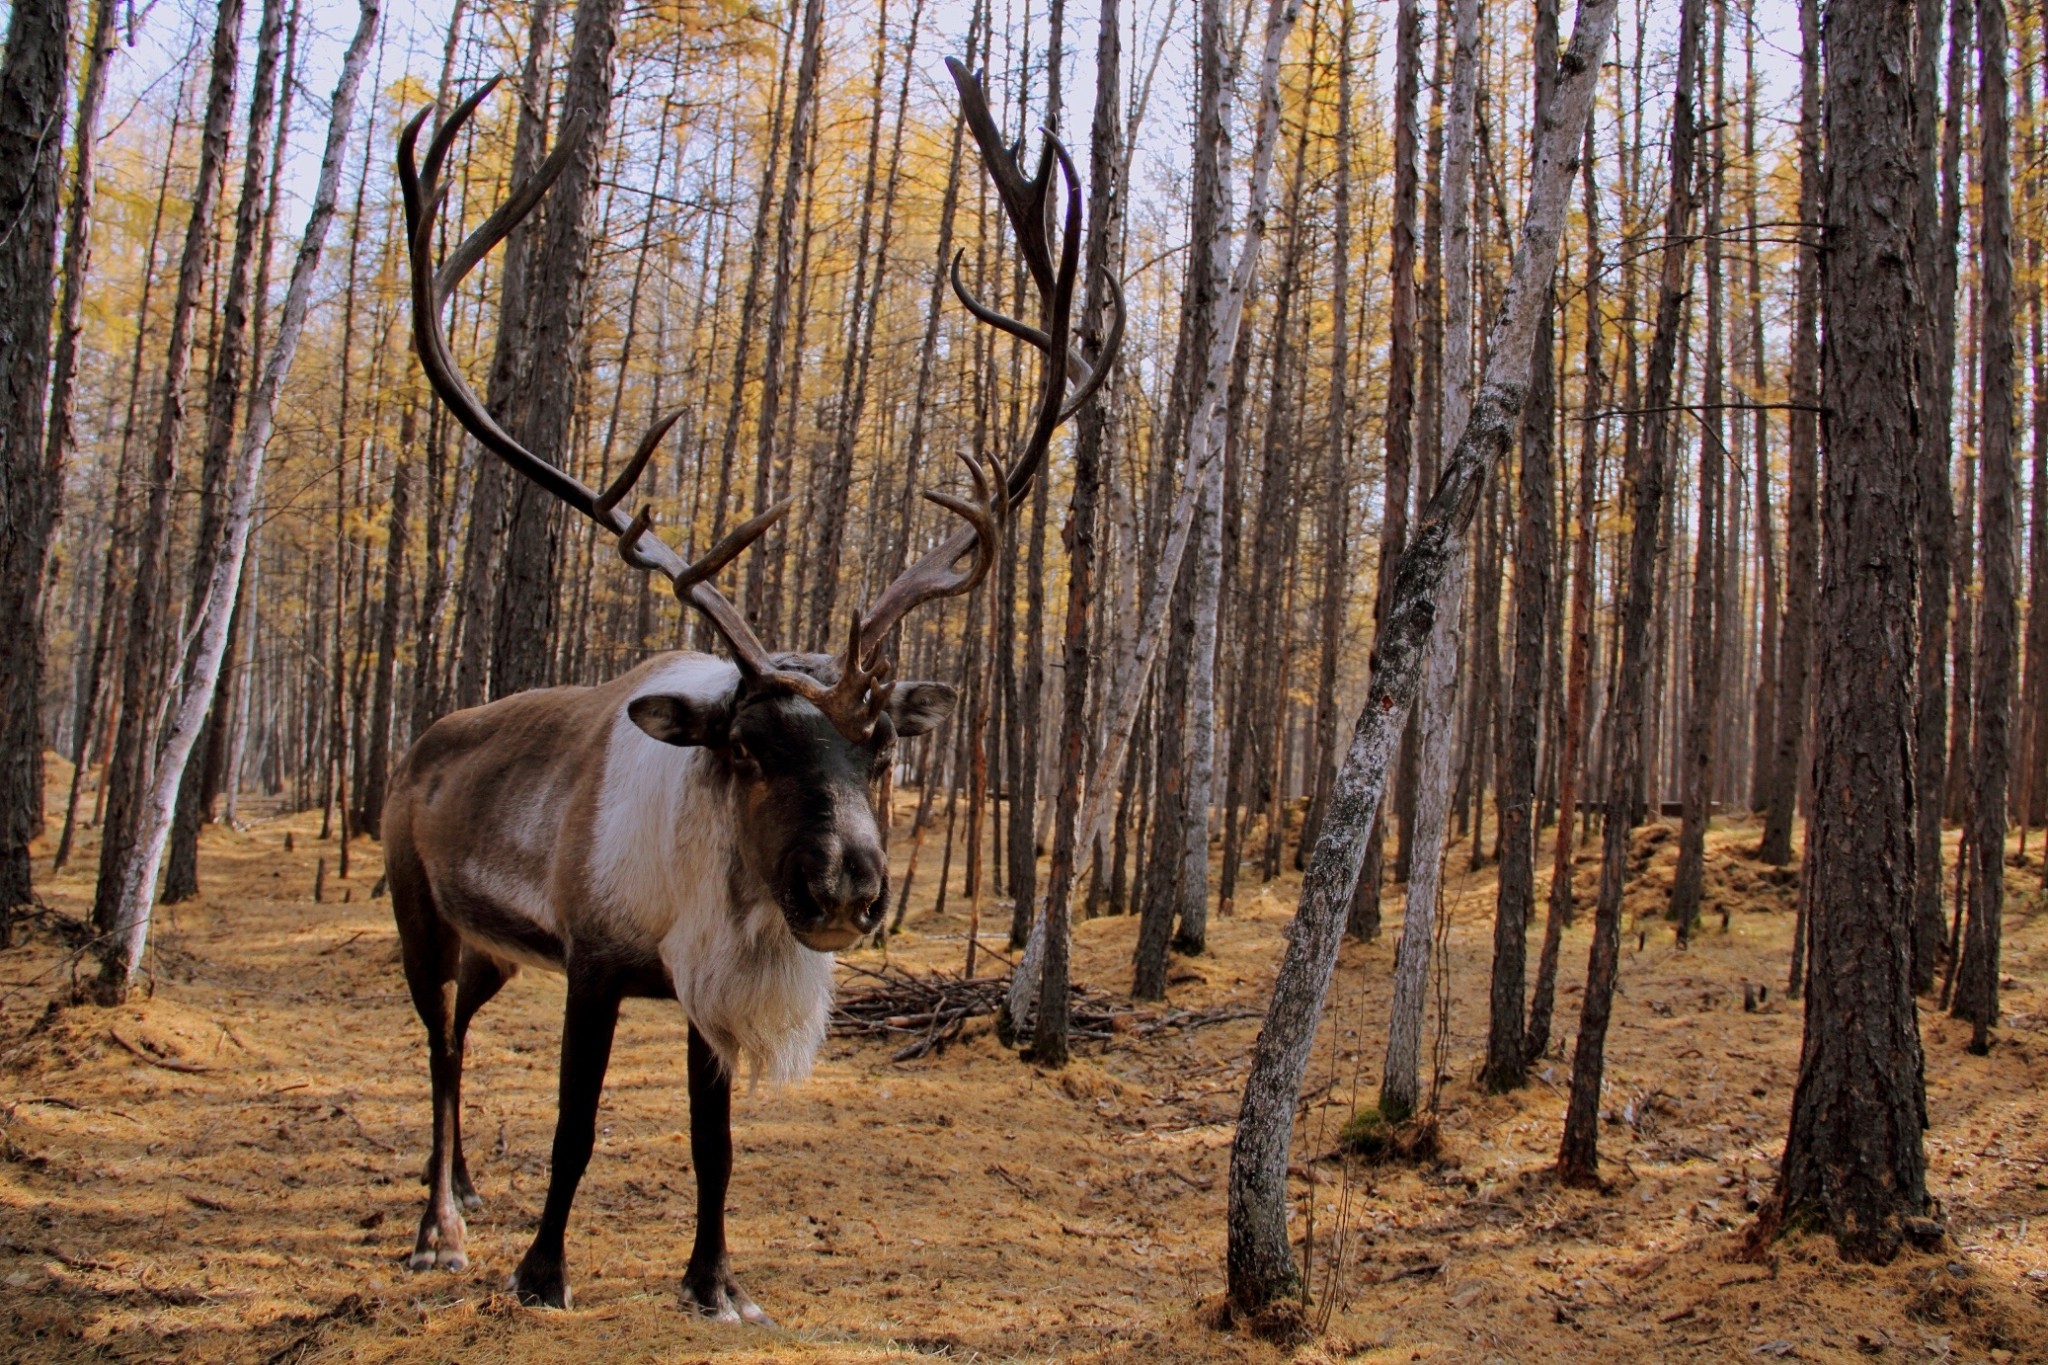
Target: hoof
x=718, y=1296
x=440, y=1245
x=540, y=1286
x=438, y=1258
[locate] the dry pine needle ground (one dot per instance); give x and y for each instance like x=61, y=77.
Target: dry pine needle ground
x=229, y=1169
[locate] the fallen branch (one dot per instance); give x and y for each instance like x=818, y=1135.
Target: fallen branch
x=167, y=1063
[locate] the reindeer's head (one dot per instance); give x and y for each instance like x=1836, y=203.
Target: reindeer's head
x=804, y=736
x=805, y=793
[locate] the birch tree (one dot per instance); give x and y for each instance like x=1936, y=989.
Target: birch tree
x=1260, y=1259
x=128, y=930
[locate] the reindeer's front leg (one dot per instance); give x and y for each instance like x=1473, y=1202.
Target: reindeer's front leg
x=708, y=1283
x=588, y=1022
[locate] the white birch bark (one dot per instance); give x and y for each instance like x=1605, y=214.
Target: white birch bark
x=1126, y=683
x=204, y=649
x=1261, y=1261
x=1400, y=1082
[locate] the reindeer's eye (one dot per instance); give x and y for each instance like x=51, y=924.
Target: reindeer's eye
x=741, y=753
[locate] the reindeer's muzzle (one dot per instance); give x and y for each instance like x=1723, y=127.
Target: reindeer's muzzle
x=838, y=896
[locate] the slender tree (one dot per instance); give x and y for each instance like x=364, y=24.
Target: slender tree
x=1260, y=1259
x=1976, y=997
x=1578, y=1154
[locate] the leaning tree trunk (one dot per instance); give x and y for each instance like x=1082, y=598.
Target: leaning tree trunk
x=129, y=773
x=1578, y=1155
x=1853, y=1160
x=32, y=76
x=1400, y=1082
x=128, y=929
x=223, y=403
x=1260, y=1259
x=1976, y=996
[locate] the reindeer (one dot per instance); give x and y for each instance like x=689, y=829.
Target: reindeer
x=698, y=830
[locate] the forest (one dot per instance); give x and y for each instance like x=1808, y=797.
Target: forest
x=1345, y=682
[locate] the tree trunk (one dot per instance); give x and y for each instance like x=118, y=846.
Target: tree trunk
x=1105, y=212
x=1853, y=1161
x=129, y=774
x=1260, y=1260
x=1332, y=525
x=1708, y=623
x=1976, y=997
x=1940, y=228
x=1559, y=913
x=544, y=410
x=1802, y=541
x=1400, y=1082
x=127, y=930
x=32, y=76
x=483, y=546
x=1578, y=1155
x=1506, y=1054
x=223, y=403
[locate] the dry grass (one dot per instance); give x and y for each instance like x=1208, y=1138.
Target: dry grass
x=229, y=1169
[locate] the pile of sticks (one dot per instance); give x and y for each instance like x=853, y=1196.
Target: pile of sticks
x=930, y=1010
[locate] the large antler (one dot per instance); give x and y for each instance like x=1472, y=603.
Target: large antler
x=857, y=697
x=854, y=702
x=1028, y=204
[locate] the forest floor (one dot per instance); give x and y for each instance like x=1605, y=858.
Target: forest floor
x=228, y=1169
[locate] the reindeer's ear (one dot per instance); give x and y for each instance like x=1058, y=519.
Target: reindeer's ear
x=677, y=718
x=920, y=706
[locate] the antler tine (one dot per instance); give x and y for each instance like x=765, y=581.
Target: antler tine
x=630, y=475
x=1023, y=198
x=423, y=195
x=1030, y=208
x=1112, y=341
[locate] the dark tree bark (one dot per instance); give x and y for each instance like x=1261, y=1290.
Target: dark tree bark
x=1708, y=622
x=544, y=409
x=377, y=744
x=1940, y=228
x=1578, y=1160
x=1976, y=997
x=1559, y=913
x=1506, y=1054
x=32, y=76
x=1802, y=541
x=1853, y=1162
x=483, y=541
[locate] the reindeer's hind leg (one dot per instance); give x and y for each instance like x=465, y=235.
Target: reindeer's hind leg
x=432, y=953
x=480, y=977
